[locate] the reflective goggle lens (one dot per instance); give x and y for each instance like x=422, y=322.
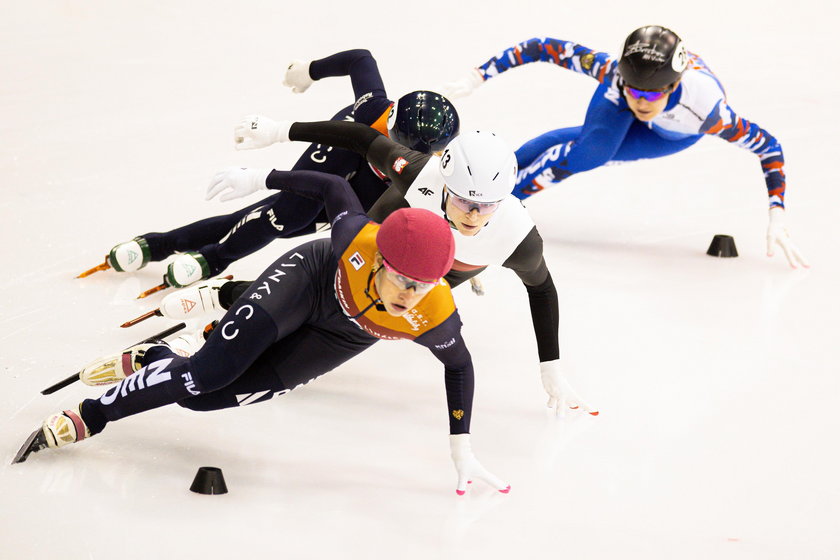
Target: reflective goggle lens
x=645, y=94
x=470, y=205
x=406, y=283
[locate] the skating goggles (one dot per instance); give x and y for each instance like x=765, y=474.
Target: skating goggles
x=647, y=95
x=406, y=282
x=468, y=206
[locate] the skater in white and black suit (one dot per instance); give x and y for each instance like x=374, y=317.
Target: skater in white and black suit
x=469, y=184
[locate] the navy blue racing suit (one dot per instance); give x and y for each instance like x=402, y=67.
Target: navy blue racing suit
x=227, y=238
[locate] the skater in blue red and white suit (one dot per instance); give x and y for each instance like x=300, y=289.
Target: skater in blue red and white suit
x=657, y=99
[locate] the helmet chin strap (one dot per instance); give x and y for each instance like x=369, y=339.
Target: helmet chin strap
x=444, y=196
x=374, y=302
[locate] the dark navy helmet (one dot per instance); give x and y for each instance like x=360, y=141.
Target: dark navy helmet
x=424, y=121
x=653, y=58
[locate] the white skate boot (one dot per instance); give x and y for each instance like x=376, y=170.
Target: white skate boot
x=115, y=367
x=130, y=256
x=193, y=302
x=188, y=343
x=57, y=430
x=65, y=427
x=186, y=269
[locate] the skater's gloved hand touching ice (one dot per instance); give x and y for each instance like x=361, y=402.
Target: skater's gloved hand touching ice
x=777, y=235
x=297, y=76
x=236, y=182
x=259, y=131
x=468, y=467
x=463, y=86
x=560, y=394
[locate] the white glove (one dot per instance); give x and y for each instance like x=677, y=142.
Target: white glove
x=297, y=76
x=477, y=286
x=258, y=131
x=777, y=235
x=236, y=182
x=464, y=86
x=560, y=393
x=468, y=467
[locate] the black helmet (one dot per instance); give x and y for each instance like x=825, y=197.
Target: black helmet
x=653, y=58
x=424, y=121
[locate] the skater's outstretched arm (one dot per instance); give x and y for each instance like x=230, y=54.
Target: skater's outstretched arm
x=359, y=64
x=335, y=192
x=528, y=263
x=371, y=105
x=448, y=346
x=569, y=55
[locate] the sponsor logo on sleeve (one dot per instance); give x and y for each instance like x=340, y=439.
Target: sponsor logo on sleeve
x=446, y=344
x=458, y=414
x=362, y=100
x=399, y=164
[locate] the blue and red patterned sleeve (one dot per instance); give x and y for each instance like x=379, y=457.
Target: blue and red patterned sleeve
x=723, y=122
x=569, y=55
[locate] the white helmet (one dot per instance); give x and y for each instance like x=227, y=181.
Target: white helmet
x=479, y=166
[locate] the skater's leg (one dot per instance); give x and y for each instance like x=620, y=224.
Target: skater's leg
x=294, y=360
x=285, y=215
x=278, y=303
x=643, y=143
x=530, y=150
x=197, y=234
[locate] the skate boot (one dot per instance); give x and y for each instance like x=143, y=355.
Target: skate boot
x=115, y=367
x=186, y=269
x=130, y=256
x=193, y=302
x=57, y=430
x=188, y=343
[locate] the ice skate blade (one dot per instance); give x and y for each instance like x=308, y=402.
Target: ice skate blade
x=76, y=376
x=104, y=266
x=35, y=442
x=154, y=290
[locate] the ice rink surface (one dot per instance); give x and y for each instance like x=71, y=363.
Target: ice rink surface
x=717, y=380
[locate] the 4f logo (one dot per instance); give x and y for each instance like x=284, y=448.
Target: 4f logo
x=426, y=191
